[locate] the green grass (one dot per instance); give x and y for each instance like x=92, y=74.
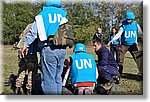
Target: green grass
x=131, y=83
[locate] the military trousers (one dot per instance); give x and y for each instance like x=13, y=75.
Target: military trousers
x=27, y=66
x=107, y=72
x=124, y=49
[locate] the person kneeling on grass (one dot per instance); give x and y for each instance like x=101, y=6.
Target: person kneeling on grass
x=107, y=65
x=82, y=71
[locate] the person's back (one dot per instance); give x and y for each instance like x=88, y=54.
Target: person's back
x=52, y=56
x=83, y=69
x=105, y=57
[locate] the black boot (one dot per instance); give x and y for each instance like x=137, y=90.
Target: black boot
x=120, y=69
x=116, y=79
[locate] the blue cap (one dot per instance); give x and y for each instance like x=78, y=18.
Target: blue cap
x=79, y=47
x=130, y=15
x=53, y=3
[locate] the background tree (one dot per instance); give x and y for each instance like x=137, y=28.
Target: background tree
x=85, y=16
x=16, y=16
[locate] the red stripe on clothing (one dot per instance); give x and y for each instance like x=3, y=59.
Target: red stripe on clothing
x=82, y=84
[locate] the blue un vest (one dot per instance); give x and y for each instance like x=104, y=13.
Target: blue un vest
x=116, y=42
x=129, y=36
x=83, y=68
x=48, y=21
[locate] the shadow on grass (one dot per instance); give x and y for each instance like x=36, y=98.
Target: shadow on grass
x=137, y=77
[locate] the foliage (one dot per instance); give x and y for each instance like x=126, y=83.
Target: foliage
x=85, y=17
x=15, y=18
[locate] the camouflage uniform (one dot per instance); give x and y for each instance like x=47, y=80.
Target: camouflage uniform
x=28, y=66
x=64, y=36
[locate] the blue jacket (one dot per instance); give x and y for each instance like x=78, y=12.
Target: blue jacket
x=83, y=68
x=130, y=34
x=105, y=57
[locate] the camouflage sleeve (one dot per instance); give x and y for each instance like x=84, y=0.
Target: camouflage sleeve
x=64, y=36
x=31, y=35
x=20, y=44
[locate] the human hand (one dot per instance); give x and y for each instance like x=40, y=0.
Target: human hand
x=109, y=43
x=24, y=52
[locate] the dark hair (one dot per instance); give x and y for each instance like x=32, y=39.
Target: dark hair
x=115, y=29
x=97, y=39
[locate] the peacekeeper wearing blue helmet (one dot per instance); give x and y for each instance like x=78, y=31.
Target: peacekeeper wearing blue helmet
x=52, y=56
x=129, y=32
x=83, y=72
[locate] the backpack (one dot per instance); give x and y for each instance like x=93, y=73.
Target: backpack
x=64, y=36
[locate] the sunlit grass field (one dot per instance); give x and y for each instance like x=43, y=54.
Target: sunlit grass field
x=131, y=82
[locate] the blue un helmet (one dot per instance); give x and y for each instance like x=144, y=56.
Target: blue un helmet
x=130, y=15
x=79, y=48
x=55, y=3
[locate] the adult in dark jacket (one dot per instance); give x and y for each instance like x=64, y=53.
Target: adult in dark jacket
x=99, y=34
x=107, y=65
